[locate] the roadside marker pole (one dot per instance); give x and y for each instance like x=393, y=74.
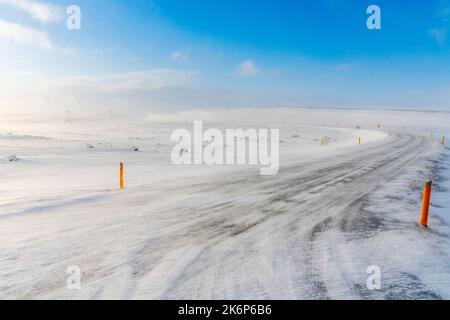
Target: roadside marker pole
x=443, y=140
x=121, y=176
x=359, y=140
x=426, y=204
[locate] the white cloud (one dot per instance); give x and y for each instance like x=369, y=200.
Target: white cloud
x=439, y=35
x=247, y=69
x=41, y=11
x=137, y=80
x=180, y=56
x=24, y=35
x=122, y=92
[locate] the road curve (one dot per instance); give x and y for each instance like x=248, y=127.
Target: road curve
x=254, y=237
x=237, y=236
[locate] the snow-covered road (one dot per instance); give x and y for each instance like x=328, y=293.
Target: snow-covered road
x=231, y=234
x=267, y=247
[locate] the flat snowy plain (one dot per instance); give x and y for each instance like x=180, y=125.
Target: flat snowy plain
x=224, y=232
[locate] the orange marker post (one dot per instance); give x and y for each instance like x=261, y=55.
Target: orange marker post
x=121, y=176
x=426, y=203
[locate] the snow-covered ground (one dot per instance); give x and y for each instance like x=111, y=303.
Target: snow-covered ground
x=224, y=231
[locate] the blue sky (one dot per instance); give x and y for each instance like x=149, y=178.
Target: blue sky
x=141, y=55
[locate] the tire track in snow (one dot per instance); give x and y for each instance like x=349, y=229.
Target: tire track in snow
x=335, y=183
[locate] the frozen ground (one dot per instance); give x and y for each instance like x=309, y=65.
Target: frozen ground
x=194, y=232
